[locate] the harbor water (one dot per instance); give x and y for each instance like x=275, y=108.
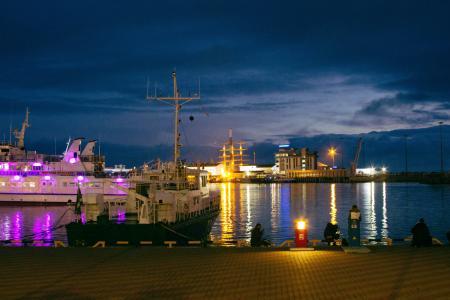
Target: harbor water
x=387, y=210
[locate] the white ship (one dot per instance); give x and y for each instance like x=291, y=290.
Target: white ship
x=167, y=202
x=27, y=177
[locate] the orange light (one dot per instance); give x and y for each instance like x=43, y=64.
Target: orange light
x=332, y=151
x=301, y=225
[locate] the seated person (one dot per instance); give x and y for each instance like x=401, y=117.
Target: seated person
x=256, y=239
x=421, y=234
x=331, y=233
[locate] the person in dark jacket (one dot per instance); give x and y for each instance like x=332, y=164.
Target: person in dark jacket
x=331, y=233
x=421, y=234
x=256, y=238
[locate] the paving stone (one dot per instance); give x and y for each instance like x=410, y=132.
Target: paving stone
x=223, y=273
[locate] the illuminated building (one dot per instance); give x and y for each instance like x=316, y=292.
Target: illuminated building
x=288, y=158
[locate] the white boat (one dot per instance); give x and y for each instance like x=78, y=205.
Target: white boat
x=167, y=202
x=27, y=177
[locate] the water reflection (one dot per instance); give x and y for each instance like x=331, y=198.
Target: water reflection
x=226, y=213
x=17, y=228
x=248, y=223
x=42, y=227
x=333, y=209
x=384, y=221
x=5, y=228
x=387, y=210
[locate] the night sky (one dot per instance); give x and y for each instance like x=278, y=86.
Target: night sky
x=273, y=71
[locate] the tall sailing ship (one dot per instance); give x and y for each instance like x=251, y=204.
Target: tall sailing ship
x=166, y=202
x=28, y=177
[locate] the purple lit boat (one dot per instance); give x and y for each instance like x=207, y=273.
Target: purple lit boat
x=27, y=177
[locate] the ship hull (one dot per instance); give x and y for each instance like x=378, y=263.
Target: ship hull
x=196, y=228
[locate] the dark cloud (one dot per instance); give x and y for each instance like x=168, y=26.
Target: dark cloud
x=409, y=109
x=268, y=60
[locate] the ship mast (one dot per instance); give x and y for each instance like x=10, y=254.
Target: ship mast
x=177, y=102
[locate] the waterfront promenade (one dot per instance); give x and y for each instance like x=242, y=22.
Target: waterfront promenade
x=398, y=272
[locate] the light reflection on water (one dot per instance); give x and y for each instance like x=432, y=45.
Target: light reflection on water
x=387, y=210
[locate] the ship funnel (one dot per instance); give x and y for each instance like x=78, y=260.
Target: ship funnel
x=73, y=150
x=89, y=148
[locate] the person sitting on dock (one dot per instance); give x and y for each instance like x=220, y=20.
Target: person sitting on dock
x=421, y=234
x=256, y=239
x=331, y=233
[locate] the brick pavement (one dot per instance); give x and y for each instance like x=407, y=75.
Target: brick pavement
x=223, y=273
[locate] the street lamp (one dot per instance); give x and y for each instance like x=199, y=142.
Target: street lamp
x=332, y=153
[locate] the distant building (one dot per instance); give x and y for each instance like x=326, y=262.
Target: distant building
x=288, y=158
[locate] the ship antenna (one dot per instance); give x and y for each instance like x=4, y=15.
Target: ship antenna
x=67, y=146
x=177, y=102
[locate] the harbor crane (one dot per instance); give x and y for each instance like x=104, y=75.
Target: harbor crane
x=354, y=163
x=20, y=135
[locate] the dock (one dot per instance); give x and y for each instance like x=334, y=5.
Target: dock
x=398, y=272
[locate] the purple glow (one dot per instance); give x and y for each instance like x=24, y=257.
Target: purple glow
x=119, y=179
x=72, y=160
x=17, y=228
x=47, y=177
x=4, y=166
x=37, y=164
x=120, y=215
x=80, y=178
x=16, y=177
x=42, y=229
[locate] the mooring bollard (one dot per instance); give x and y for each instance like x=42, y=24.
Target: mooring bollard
x=301, y=234
x=301, y=237
x=99, y=244
x=170, y=243
x=145, y=242
x=58, y=244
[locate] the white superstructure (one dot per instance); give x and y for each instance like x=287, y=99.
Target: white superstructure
x=26, y=176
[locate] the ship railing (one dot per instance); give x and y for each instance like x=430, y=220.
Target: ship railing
x=92, y=158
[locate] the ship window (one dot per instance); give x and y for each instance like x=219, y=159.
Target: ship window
x=64, y=183
x=32, y=184
x=2, y=183
x=160, y=201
